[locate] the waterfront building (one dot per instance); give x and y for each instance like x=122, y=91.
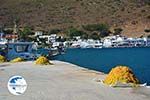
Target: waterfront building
x=121, y=41
x=49, y=38
x=90, y=43
x=107, y=43
x=38, y=33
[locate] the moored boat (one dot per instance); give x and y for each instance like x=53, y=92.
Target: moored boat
x=19, y=49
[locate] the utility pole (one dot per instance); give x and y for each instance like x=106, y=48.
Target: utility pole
x=15, y=28
x=15, y=31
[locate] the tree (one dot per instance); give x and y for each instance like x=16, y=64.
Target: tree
x=24, y=34
x=54, y=31
x=104, y=33
x=60, y=39
x=103, y=29
x=148, y=36
x=94, y=36
x=96, y=27
x=118, y=31
x=147, y=30
x=74, y=32
x=84, y=36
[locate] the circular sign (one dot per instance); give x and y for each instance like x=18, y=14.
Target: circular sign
x=17, y=85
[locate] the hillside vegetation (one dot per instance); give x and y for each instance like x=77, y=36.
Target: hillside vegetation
x=133, y=16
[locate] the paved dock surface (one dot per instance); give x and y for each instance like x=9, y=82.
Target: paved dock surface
x=63, y=81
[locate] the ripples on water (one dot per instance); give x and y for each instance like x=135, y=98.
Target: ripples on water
x=105, y=59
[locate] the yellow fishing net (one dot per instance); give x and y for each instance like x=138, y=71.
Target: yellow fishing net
x=121, y=74
x=18, y=59
x=2, y=59
x=42, y=61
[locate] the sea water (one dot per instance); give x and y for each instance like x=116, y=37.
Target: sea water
x=138, y=59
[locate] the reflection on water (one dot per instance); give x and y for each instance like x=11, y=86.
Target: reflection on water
x=104, y=59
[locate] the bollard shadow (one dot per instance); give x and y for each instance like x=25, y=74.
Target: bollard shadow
x=4, y=65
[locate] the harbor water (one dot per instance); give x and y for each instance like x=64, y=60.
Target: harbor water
x=138, y=59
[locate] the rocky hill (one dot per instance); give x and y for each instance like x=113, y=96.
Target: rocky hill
x=133, y=16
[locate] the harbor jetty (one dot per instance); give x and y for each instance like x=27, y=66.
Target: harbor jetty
x=63, y=81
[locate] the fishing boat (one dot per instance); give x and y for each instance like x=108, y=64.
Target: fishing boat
x=18, y=49
x=48, y=52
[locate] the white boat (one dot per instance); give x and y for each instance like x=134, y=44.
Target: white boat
x=75, y=45
x=87, y=44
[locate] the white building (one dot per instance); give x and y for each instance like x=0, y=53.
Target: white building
x=38, y=33
x=53, y=38
x=49, y=38
x=114, y=41
x=90, y=43
x=107, y=43
x=1, y=36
